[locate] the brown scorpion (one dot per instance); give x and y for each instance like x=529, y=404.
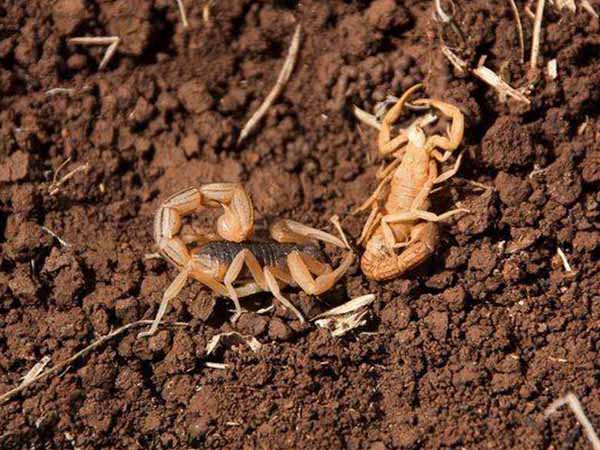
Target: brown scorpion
x=399, y=215
x=291, y=254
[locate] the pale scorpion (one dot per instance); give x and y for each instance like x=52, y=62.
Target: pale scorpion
x=399, y=215
x=291, y=255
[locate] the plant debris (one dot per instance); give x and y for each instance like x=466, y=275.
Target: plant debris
x=344, y=318
x=230, y=338
x=575, y=405
x=282, y=79
x=111, y=41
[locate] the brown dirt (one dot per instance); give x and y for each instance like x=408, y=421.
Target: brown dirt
x=466, y=352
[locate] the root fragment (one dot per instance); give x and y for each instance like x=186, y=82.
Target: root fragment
x=57, y=183
x=575, y=405
x=282, y=79
x=29, y=380
x=111, y=41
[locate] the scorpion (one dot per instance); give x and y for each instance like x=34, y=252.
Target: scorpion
x=399, y=216
x=233, y=263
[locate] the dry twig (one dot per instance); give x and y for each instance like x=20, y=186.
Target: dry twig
x=282, y=79
x=67, y=362
x=575, y=405
x=503, y=88
x=535, y=42
x=486, y=75
x=515, y=11
x=111, y=41
x=184, y=19
x=56, y=236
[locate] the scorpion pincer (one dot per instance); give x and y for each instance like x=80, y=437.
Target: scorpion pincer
x=399, y=215
x=233, y=263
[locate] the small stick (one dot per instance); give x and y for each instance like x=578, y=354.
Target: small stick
x=575, y=405
x=183, y=14
x=537, y=28
x=563, y=257
x=214, y=365
x=62, y=365
x=513, y=5
x=56, y=236
x=282, y=79
x=491, y=78
x=111, y=41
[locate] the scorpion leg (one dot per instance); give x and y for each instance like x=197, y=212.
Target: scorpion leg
x=415, y=214
x=274, y=288
x=174, y=288
x=236, y=266
x=303, y=266
x=290, y=231
x=372, y=220
x=449, y=173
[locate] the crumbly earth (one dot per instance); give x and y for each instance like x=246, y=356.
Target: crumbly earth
x=465, y=352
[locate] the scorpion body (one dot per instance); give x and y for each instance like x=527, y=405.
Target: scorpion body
x=235, y=264
x=399, y=206
x=267, y=252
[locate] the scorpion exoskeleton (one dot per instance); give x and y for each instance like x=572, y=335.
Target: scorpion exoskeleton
x=291, y=254
x=399, y=206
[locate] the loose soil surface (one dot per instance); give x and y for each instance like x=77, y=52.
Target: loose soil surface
x=465, y=352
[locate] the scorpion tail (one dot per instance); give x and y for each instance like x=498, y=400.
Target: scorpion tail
x=384, y=265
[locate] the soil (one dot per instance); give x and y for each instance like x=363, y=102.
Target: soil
x=465, y=352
